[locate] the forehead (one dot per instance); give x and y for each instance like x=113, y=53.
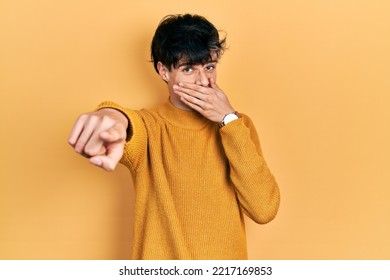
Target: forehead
x=185, y=60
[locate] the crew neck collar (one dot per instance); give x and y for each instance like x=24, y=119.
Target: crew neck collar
x=180, y=117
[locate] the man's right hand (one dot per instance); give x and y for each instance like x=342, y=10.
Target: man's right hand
x=100, y=136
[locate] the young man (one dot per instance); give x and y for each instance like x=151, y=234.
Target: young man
x=197, y=163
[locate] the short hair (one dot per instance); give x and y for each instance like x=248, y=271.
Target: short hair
x=186, y=37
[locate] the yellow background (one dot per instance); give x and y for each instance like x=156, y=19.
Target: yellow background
x=313, y=75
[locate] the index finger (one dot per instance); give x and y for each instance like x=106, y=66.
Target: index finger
x=195, y=87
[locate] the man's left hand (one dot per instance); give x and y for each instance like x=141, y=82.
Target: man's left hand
x=211, y=101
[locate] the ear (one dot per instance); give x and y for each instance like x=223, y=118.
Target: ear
x=163, y=71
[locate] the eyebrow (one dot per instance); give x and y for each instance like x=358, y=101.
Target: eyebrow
x=191, y=63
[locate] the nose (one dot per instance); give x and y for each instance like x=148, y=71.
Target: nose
x=202, y=79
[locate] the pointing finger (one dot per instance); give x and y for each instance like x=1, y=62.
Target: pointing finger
x=109, y=161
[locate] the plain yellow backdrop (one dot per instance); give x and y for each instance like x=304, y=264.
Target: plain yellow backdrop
x=313, y=75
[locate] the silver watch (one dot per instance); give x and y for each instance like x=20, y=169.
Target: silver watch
x=228, y=118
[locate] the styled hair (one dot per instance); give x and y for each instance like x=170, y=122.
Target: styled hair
x=186, y=37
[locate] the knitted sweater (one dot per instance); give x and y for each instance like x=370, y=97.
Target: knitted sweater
x=193, y=181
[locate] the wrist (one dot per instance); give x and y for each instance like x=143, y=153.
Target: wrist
x=229, y=117
x=116, y=115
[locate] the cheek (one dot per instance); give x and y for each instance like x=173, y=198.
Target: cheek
x=184, y=79
x=213, y=75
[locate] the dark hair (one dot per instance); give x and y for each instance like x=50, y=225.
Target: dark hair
x=188, y=37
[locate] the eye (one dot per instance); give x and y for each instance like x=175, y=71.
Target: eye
x=187, y=69
x=210, y=67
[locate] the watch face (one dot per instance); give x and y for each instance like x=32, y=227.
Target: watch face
x=229, y=118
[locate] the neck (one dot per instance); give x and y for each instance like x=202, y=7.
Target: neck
x=178, y=103
x=181, y=116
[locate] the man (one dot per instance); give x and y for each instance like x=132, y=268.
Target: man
x=197, y=163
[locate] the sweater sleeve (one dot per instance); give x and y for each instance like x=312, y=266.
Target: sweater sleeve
x=256, y=188
x=136, y=140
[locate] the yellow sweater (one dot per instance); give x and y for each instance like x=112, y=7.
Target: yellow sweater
x=193, y=182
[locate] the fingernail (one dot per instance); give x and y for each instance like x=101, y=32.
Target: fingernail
x=96, y=161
